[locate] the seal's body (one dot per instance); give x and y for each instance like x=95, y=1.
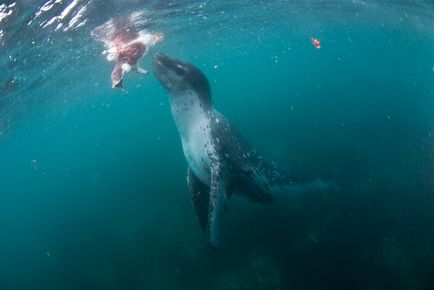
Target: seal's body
x=220, y=161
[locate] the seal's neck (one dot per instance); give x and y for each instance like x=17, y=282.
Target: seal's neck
x=188, y=111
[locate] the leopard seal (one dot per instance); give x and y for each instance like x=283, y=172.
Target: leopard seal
x=220, y=161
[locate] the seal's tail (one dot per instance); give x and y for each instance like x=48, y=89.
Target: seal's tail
x=291, y=190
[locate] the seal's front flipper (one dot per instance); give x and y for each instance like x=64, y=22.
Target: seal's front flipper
x=217, y=203
x=199, y=197
x=140, y=70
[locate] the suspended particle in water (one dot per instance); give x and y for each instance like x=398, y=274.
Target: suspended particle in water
x=34, y=164
x=275, y=58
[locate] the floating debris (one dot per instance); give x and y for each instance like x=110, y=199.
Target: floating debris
x=316, y=43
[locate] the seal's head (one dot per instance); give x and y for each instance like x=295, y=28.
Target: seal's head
x=181, y=78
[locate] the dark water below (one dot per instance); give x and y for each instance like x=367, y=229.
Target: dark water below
x=93, y=181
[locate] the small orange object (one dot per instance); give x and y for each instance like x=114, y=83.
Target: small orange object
x=316, y=43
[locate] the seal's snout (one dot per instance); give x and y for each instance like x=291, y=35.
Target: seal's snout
x=163, y=70
x=161, y=61
x=166, y=67
x=160, y=56
x=158, y=63
x=157, y=56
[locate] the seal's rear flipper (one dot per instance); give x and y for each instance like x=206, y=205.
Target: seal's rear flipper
x=199, y=197
x=279, y=183
x=292, y=190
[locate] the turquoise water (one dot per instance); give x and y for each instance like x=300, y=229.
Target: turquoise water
x=93, y=181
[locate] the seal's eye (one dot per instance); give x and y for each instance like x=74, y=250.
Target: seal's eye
x=180, y=70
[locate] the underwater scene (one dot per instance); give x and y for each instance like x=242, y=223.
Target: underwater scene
x=216, y=144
